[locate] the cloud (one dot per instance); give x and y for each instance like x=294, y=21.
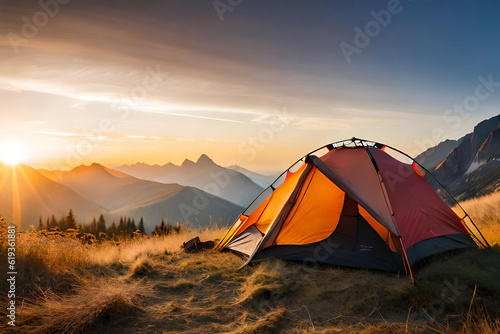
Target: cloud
x=145, y=137
x=99, y=69
x=59, y=134
x=193, y=116
x=321, y=124
x=113, y=96
x=79, y=105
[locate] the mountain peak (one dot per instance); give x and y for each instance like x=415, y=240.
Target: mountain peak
x=93, y=166
x=187, y=163
x=205, y=160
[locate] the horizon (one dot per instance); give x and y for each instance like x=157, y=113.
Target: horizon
x=89, y=164
x=231, y=163
x=257, y=86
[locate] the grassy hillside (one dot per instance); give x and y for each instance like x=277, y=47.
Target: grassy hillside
x=148, y=285
x=485, y=212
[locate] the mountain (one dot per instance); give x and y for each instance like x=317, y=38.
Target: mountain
x=473, y=167
x=124, y=195
x=112, y=189
x=431, y=157
x=263, y=181
x=190, y=206
x=37, y=195
x=203, y=174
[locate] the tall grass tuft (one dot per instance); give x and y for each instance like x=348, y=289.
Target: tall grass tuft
x=98, y=300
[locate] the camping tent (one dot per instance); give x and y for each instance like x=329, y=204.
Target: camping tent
x=353, y=203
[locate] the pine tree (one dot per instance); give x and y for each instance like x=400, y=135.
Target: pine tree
x=93, y=227
x=122, y=228
x=84, y=228
x=167, y=230
x=53, y=222
x=62, y=224
x=101, y=225
x=40, y=224
x=133, y=226
x=112, y=230
x=130, y=225
x=141, y=226
x=162, y=228
x=70, y=220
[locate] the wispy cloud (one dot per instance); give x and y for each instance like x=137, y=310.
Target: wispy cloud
x=321, y=124
x=193, y=116
x=59, y=134
x=79, y=105
x=153, y=138
x=137, y=137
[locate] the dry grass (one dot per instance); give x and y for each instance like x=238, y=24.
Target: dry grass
x=265, y=282
x=482, y=324
x=130, y=249
x=485, y=212
x=148, y=285
x=82, y=309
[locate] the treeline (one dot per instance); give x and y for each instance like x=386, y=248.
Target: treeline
x=125, y=228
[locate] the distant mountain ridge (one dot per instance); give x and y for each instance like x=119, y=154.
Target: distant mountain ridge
x=113, y=190
x=37, y=196
x=203, y=174
x=27, y=194
x=123, y=195
x=262, y=180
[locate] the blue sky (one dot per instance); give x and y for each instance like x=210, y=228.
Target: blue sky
x=260, y=88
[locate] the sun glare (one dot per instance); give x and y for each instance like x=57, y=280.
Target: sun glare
x=13, y=153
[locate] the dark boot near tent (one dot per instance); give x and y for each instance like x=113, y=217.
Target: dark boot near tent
x=195, y=245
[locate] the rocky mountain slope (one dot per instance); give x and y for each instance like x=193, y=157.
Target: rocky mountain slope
x=472, y=168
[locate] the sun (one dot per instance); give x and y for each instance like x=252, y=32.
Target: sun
x=13, y=153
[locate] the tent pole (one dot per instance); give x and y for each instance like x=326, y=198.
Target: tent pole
x=407, y=261
x=281, y=216
x=389, y=206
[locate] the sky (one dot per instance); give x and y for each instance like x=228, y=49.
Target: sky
x=256, y=83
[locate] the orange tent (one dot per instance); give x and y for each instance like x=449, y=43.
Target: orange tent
x=353, y=203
